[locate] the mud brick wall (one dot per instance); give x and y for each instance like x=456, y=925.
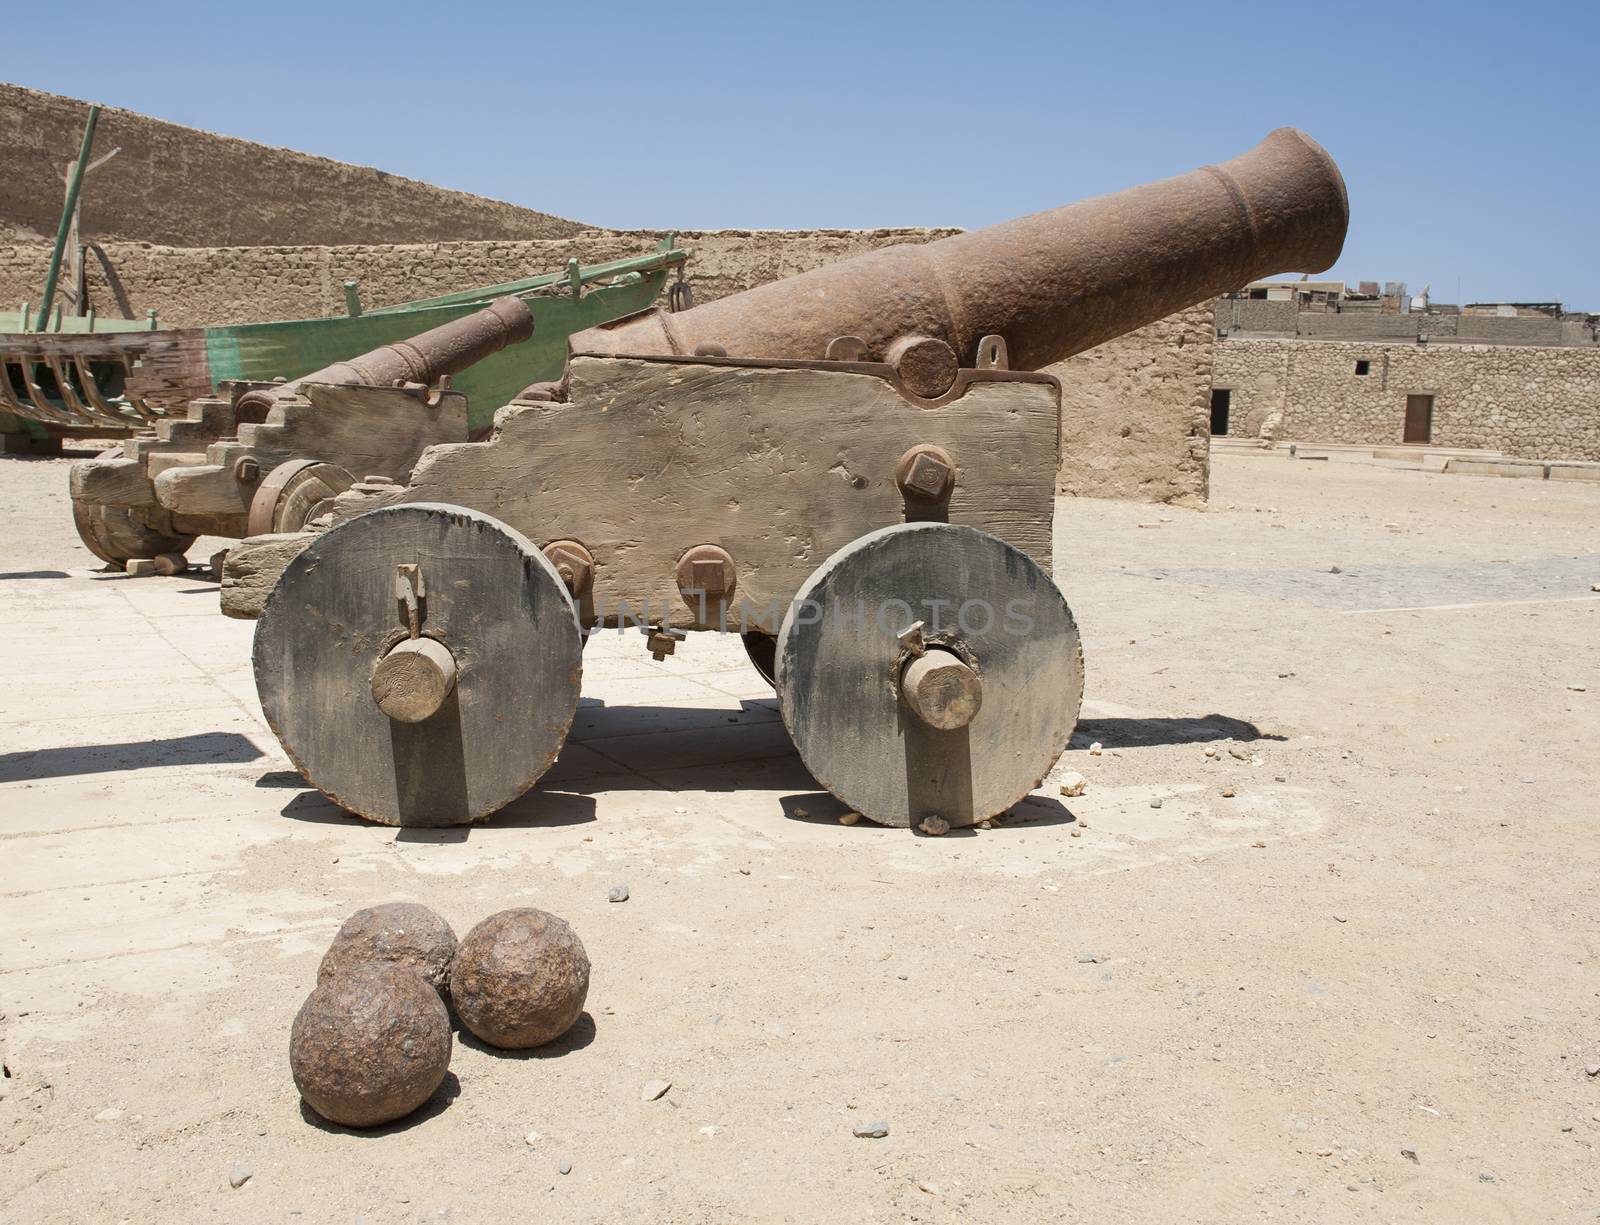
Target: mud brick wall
x=172, y=184
x=1134, y=420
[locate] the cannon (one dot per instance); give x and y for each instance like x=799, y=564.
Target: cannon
x=205, y=472
x=853, y=468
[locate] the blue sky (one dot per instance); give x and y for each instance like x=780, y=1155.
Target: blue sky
x=1469, y=133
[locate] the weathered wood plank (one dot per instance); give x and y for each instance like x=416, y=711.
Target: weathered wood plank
x=780, y=467
x=251, y=570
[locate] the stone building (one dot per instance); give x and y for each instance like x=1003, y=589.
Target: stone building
x=1525, y=382
x=205, y=229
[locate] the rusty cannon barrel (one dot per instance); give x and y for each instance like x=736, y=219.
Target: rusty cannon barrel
x=424, y=358
x=1050, y=285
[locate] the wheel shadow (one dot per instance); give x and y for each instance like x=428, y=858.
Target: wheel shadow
x=1181, y=729
x=720, y=750
x=204, y=748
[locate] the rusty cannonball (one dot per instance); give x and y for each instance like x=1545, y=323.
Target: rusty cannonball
x=520, y=978
x=370, y=1046
x=397, y=933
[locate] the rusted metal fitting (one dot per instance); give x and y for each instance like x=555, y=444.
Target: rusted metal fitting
x=706, y=576
x=574, y=563
x=927, y=367
x=246, y=470
x=662, y=642
x=925, y=473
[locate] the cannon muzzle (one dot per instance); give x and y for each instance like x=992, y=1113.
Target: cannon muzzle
x=447, y=349
x=1051, y=284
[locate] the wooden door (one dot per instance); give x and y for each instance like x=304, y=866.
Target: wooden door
x=1419, y=419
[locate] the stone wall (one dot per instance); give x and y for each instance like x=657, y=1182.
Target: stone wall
x=172, y=184
x=1538, y=403
x=1135, y=413
x=201, y=286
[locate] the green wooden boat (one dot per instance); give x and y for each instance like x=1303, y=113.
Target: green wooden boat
x=96, y=377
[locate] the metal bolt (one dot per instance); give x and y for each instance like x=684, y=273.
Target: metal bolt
x=246, y=470
x=574, y=563
x=925, y=473
x=706, y=573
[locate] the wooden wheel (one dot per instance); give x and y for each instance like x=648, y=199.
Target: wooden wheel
x=955, y=719
x=293, y=494
x=118, y=534
x=420, y=664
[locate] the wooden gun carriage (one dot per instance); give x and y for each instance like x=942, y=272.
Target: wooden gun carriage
x=843, y=466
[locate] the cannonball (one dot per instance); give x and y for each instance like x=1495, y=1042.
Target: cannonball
x=520, y=978
x=370, y=1046
x=398, y=933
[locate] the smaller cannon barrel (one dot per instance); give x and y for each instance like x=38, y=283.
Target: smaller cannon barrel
x=447, y=349
x=1051, y=284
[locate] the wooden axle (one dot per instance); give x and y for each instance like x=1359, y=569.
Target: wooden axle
x=412, y=681
x=941, y=689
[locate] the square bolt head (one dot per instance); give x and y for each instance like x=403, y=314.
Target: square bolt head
x=927, y=477
x=708, y=575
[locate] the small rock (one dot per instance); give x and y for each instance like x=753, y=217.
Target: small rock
x=1238, y=752
x=532, y=1139
x=218, y=560
x=1335, y=570
x=1096, y=749
x=109, y=1115
x=654, y=1089
x=239, y=1175
x=1486, y=1177
x=140, y=567
x=744, y=871
x=1088, y=959
x=849, y=818
x=870, y=1131
x=619, y=893
x=1077, y=833
x=1577, y=689
x=928, y=1187
x=1593, y=1069
x=1258, y=845
x=934, y=827
x=565, y=1167
x=985, y=825
x=1410, y=1154
x=1073, y=783
x=1155, y=803
x=1324, y=1152
x=1212, y=751
x=171, y=563
x=1227, y=793
x=802, y=812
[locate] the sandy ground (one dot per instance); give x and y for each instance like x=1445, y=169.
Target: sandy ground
x=1218, y=1009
